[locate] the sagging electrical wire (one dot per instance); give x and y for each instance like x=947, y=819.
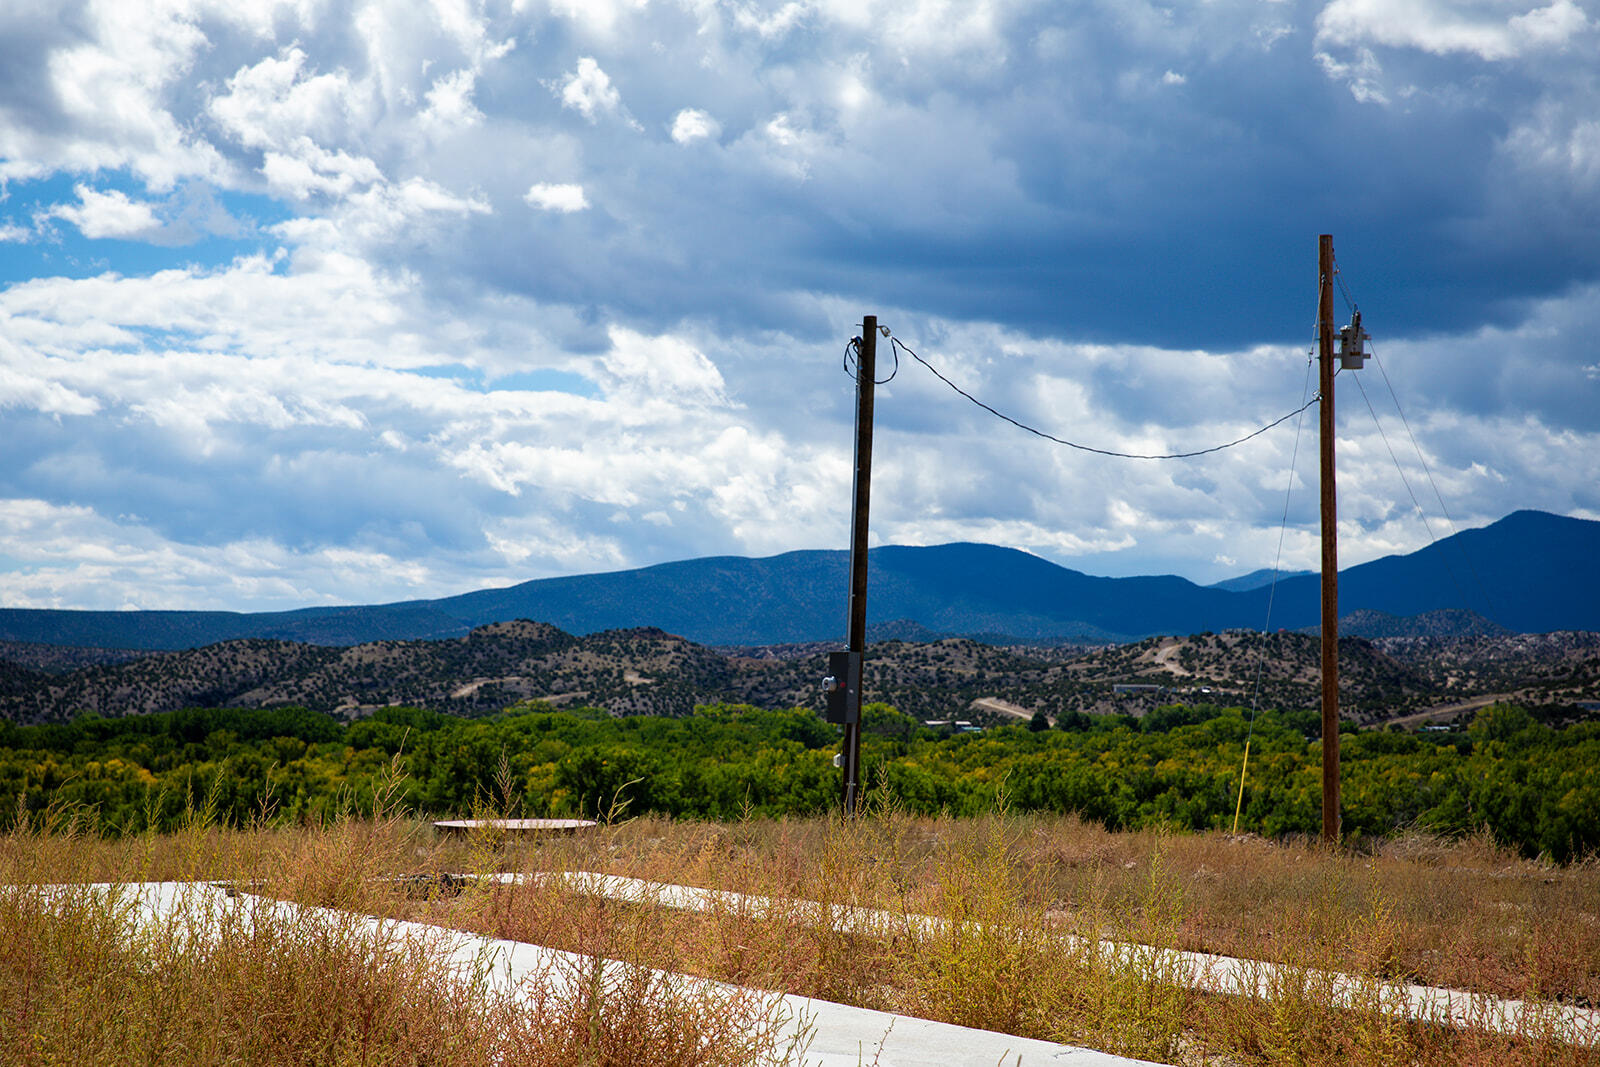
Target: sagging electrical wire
x=1483, y=591
x=898, y=345
x=1272, y=597
x=1449, y=520
x=852, y=362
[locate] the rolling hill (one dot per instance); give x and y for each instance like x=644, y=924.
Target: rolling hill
x=650, y=672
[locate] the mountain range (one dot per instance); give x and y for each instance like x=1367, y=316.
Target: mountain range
x=1530, y=572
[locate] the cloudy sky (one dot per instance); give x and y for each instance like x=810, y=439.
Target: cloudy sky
x=317, y=302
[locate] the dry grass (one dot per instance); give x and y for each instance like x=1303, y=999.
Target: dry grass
x=76, y=987
x=1467, y=915
x=82, y=982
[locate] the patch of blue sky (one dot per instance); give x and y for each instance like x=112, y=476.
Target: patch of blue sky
x=545, y=381
x=161, y=338
x=197, y=227
x=540, y=380
x=451, y=372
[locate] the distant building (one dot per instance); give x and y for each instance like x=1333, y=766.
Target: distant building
x=1135, y=688
x=955, y=726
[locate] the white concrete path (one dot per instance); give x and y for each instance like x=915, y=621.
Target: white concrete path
x=1200, y=970
x=832, y=1035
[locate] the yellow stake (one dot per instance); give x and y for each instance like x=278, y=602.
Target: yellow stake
x=1240, y=803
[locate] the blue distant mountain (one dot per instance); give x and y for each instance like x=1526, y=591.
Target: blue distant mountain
x=1531, y=572
x=1256, y=579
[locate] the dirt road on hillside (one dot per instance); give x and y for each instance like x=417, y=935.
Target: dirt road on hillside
x=1003, y=707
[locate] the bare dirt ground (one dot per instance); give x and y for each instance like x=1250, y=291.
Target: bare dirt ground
x=1448, y=712
x=1166, y=657
x=1003, y=707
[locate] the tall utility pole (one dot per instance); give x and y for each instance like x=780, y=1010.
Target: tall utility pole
x=856, y=636
x=1330, y=547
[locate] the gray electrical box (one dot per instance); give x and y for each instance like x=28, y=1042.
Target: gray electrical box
x=844, y=702
x=1352, y=345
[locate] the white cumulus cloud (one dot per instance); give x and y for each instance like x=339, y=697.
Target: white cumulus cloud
x=450, y=101
x=562, y=199
x=1486, y=28
x=108, y=214
x=277, y=102
x=691, y=125
x=588, y=90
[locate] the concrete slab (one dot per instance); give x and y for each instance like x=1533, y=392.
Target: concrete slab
x=1226, y=975
x=845, y=1036
x=825, y=1033
x=515, y=827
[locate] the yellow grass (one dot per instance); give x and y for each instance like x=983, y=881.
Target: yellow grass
x=76, y=987
x=82, y=983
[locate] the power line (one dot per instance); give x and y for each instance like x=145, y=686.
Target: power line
x=1344, y=290
x=1272, y=596
x=898, y=345
x=1449, y=521
x=852, y=356
x=1460, y=591
x=1421, y=459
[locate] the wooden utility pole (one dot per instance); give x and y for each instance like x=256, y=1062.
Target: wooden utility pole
x=1330, y=547
x=856, y=636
